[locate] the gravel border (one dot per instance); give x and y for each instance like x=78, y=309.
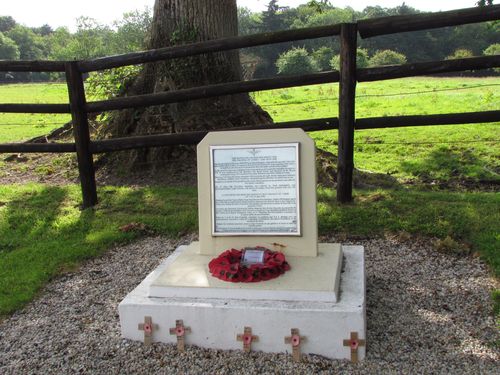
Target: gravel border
x=427, y=313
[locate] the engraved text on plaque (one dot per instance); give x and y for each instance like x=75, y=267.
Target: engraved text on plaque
x=255, y=189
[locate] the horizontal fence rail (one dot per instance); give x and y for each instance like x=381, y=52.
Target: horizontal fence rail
x=200, y=48
x=35, y=108
x=212, y=91
x=413, y=22
x=426, y=68
x=55, y=148
x=427, y=120
x=348, y=76
x=31, y=66
x=191, y=138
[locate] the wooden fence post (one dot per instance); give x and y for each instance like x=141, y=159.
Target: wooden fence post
x=81, y=133
x=347, y=97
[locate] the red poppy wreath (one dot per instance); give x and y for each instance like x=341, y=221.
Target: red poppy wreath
x=228, y=266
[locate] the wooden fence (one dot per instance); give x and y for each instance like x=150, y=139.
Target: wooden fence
x=348, y=76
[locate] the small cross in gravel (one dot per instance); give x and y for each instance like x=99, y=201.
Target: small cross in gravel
x=295, y=340
x=180, y=331
x=354, y=343
x=247, y=338
x=148, y=328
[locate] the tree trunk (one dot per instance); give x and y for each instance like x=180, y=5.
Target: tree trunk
x=179, y=22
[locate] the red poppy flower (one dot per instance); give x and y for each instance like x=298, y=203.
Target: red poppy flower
x=227, y=267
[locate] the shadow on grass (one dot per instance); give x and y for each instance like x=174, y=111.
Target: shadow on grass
x=43, y=232
x=29, y=216
x=448, y=165
x=31, y=238
x=326, y=166
x=469, y=218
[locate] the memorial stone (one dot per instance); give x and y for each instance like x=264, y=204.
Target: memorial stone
x=257, y=190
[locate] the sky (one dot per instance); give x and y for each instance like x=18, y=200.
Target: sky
x=64, y=12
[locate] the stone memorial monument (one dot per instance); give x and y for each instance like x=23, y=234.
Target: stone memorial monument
x=257, y=279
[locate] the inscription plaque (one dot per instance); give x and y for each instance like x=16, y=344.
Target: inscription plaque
x=255, y=189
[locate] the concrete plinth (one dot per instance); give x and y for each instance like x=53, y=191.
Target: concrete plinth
x=310, y=279
x=215, y=322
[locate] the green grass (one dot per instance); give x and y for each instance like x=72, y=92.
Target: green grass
x=405, y=96
x=417, y=154
x=43, y=232
x=16, y=127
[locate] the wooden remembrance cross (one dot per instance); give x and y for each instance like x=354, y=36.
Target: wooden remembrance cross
x=148, y=328
x=354, y=343
x=247, y=338
x=295, y=340
x=180, y=331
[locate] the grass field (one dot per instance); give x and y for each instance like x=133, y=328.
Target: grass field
x=16, y=127
x=43, y=232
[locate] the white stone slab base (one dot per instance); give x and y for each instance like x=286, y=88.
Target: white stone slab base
x=185, y=274
x=215, y=323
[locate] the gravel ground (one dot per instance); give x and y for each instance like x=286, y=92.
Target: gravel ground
x=427, y=313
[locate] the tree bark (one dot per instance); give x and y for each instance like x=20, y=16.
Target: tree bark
x=178, y=22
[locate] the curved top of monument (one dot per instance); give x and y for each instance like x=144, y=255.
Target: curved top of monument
x=235, y=137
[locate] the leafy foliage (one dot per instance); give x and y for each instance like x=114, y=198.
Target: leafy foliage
x=493, y=49
x=111, y=83
x=8, y=48
x=362, y=59
x=460, y=54
x=7, y=23
x=90, y=40
x=322, y=57
x=31, y=45
x=132, y=31
x=296, y=61
x=387, y=57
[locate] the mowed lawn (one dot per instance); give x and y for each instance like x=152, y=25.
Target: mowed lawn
x=43, y=232
x=15, y=127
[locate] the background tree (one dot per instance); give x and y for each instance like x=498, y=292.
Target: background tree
x=30, y=44
x=132, y=31
x=8, y=48
x=362, y=59
x=272, y=19
x=248, y=22
x=31, y=47
x=7, y=23
x=387, y=57
x=296, y=61
x=44, y=30
x=322, y=56
x=460, y=53
x=493, y=49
